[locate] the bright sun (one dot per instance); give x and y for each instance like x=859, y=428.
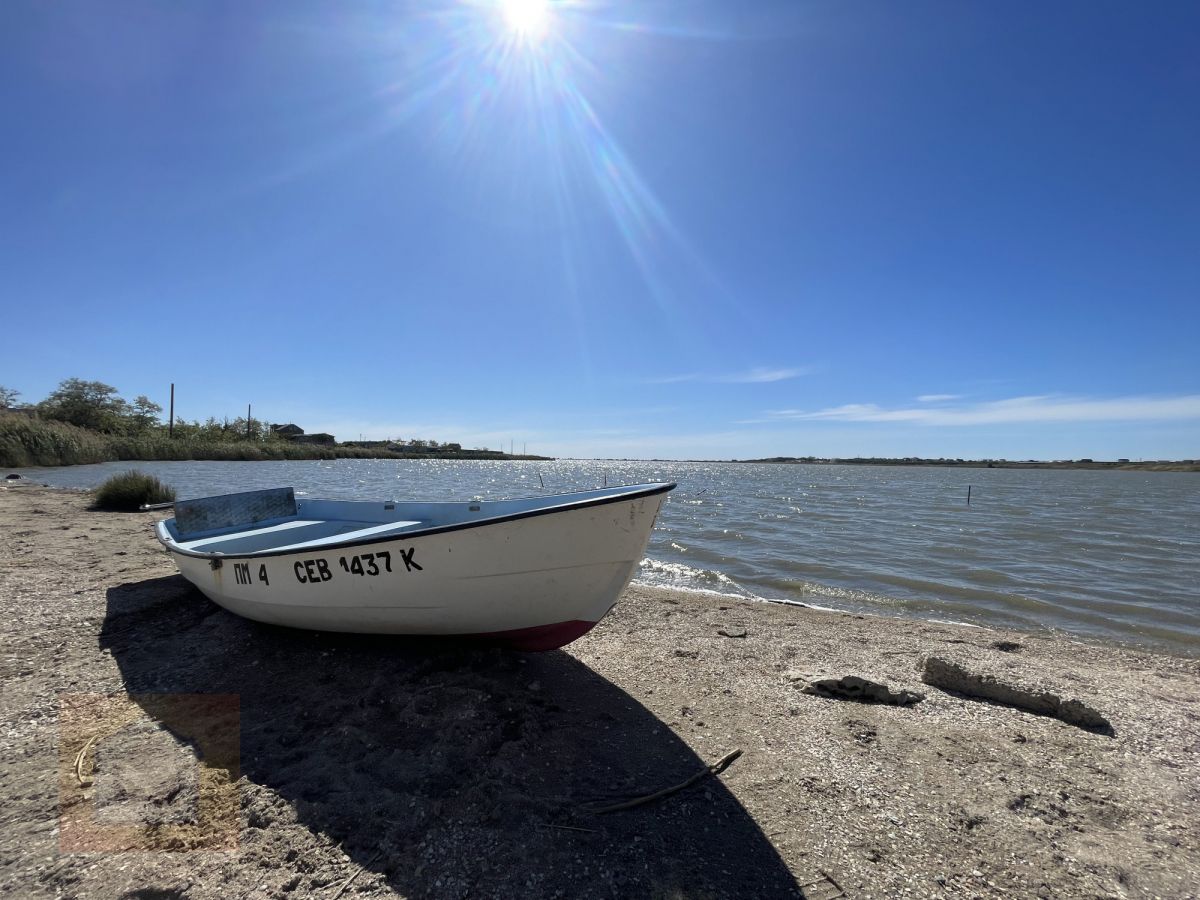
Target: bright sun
x=529, y=19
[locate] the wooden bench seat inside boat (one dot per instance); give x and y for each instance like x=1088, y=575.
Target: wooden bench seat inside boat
x=294, y=534
x=254, y=521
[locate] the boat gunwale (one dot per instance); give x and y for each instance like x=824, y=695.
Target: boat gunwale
x=651, y=490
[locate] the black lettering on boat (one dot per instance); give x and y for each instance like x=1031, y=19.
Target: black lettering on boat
x=367, y=564
x=407, y=556
x=262, y=574
x=312, y=570
x=241, y=573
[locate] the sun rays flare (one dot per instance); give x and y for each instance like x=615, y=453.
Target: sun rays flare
x=511, y=93
x=527, y=19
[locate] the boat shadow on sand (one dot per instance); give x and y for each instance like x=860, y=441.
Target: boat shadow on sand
x=450, y=769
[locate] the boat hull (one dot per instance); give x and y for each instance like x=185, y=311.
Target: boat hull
x=535, y=582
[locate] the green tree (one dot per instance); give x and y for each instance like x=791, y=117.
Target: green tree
x=88, y=404
x=8, y=397
x=257, y=430
x=144, y=413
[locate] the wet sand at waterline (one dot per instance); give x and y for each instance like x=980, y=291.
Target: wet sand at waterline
x=367, y=766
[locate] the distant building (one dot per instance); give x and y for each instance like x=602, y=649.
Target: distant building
x=296, y=435
x=319, y=438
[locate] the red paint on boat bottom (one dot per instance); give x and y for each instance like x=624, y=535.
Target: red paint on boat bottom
x=540, y=637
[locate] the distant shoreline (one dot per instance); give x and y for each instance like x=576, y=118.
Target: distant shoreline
x=1184, y=465
x=30, y=442
x=193, y=452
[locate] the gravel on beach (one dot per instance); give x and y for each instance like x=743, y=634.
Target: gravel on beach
x=156, y=746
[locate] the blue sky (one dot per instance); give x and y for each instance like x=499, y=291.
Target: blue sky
x=652, y=229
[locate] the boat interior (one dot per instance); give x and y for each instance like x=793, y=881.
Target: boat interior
x=290, y=534
x=275, y=520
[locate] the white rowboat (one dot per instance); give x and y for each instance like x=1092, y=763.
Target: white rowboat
x=533, y=573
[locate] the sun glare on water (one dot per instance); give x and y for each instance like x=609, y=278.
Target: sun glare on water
x=527, y=19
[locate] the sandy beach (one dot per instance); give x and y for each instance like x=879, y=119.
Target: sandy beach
x=326, y=766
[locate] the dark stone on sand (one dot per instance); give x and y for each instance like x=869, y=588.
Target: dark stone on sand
x=862, y=690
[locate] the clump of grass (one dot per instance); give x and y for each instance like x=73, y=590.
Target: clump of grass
x=129, y=490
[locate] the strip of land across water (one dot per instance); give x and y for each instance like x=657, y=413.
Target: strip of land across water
x=379, y=766
x=1161, y=465
x=26, y=440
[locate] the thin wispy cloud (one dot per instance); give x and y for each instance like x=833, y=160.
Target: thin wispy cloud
x=757, y=375
x=938, y=398
x=1049, y=408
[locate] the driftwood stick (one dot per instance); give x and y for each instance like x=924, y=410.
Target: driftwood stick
x=825, y=879
x=79, y=759
x=349, y=881
x=841, y=890
x=567, y=827
x=715, y=769
x=831, y=881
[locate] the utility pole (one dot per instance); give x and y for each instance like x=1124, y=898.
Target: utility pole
x=171, y=426
x=248, y=421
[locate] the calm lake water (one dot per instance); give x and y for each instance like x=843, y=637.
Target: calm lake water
x=1113, y=555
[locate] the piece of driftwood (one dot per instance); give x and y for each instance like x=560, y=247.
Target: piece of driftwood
x=567, y=827
x=715, y=769
x=79, y=759
x=349, y=881
x=824, y=883
x=951, y=676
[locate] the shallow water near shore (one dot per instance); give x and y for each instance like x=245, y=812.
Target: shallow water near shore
x=1110, y=555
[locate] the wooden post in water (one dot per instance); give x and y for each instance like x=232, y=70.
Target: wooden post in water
x=171, y=426
x=968, y=495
